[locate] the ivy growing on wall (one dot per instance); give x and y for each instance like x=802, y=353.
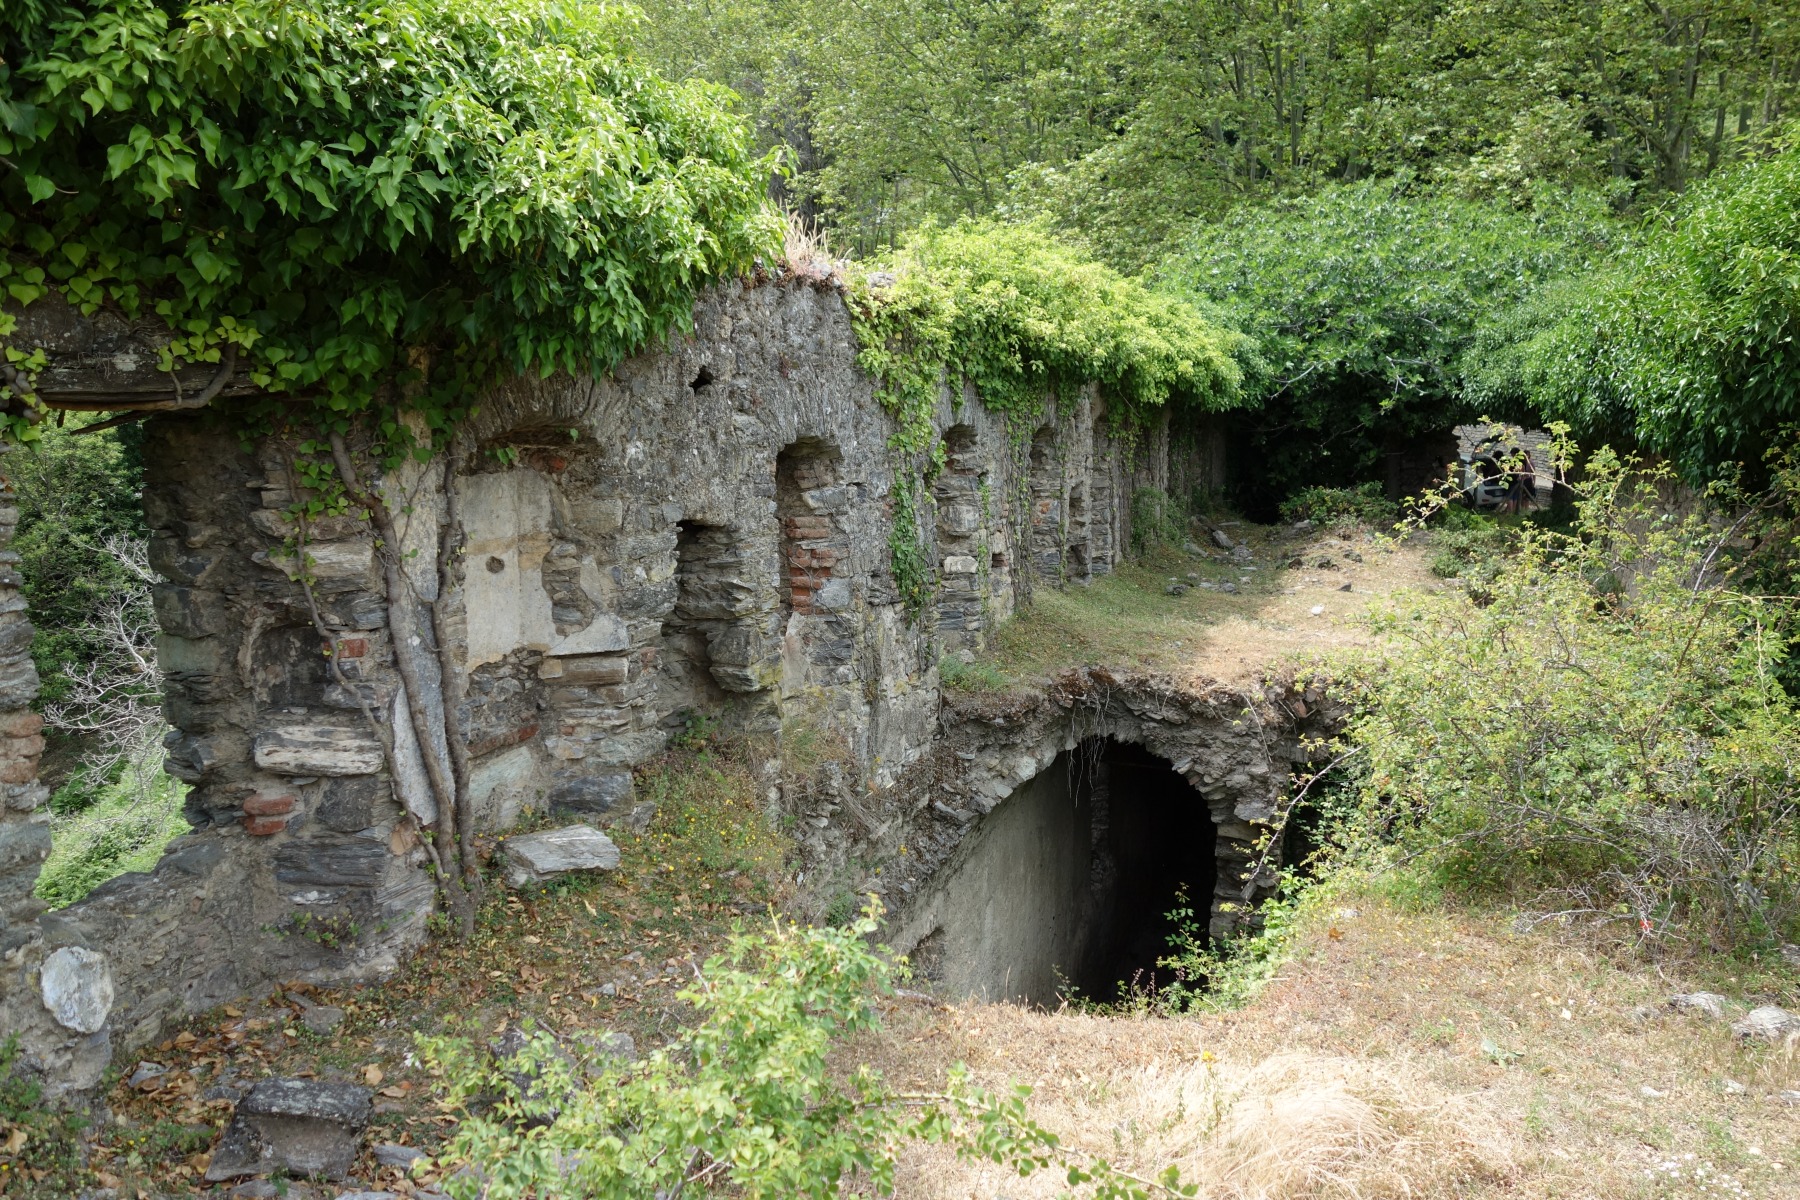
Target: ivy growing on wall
x=1019, y=315
x=364, y=206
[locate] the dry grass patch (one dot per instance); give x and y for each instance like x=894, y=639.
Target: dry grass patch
x=1206, y=634
x=1401, y=1053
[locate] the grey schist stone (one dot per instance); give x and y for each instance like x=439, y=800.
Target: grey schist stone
x=534, y=859
x=299, y=1126
x=77, y=988
x=1707, y=1004
x=1768, y=1023
x=594, y=794
x=318, y=750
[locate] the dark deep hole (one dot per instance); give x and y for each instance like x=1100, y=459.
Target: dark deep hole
x=703, y=379
x=1154, y=847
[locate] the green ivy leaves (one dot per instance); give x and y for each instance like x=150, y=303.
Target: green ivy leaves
x=347, y=191
x=1017, y=313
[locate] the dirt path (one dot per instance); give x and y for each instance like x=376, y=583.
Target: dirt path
x=1297, y=599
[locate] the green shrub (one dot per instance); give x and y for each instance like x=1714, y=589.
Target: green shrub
x=104, y=828
x=742, y=1099
x=1602, y=732
x=1365, y=504
x=1362, y=301
x=1685, y=343
x=1155, y=521
x=1469, y=545
x=970, y=677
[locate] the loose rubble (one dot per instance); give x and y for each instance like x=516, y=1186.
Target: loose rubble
x=299, y=1126
x=534, y=859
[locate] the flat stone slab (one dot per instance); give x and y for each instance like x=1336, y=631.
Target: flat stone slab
x=534, y=859
x=299, y=1126
x=318, y=750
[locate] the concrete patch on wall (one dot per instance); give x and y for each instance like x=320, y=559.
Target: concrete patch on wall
x=506, y=517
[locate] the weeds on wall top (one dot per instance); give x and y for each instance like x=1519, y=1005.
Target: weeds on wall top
x=1017, y=313
x=361, y=202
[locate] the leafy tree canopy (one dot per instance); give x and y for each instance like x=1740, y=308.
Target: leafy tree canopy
x=1127, y=122
x=1363, y=300
x=363, y=196
x=1685, y=344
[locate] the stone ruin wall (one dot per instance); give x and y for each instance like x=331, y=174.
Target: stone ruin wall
x=705, y=530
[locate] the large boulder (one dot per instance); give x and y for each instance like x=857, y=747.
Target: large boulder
x=299, y=1126
x=534, y=859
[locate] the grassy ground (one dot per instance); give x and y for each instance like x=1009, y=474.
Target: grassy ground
x=1128, y=617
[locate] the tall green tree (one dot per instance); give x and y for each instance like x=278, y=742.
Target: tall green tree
x=1129, y=120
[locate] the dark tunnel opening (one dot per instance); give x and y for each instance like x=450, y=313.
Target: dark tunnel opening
x=1065, y=889
x=1154, y=851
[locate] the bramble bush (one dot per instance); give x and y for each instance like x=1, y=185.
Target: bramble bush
x=743, y=1098
x=1366, y=504
x=1601, y=731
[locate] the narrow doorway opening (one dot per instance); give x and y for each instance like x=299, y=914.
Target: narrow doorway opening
x=1154, y=852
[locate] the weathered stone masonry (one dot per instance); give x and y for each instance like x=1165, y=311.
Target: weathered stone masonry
x=706, y=530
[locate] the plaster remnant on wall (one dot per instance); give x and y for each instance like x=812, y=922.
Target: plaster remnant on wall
x=506, y=516
x=77, y=989
x=638, y=555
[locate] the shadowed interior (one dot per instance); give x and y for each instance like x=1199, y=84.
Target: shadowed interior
x=1066, y=886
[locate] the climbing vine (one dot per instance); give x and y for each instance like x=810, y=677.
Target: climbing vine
x=368, y=208
x=912, y=568
x=1020, y=315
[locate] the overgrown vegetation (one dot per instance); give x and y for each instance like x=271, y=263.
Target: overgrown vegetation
x=105, y=823
x=1362, y=302
x=1157, y=522
x=744, y=1095
x=83, y=563
x=371, y=208
x=1600, y=732
x=1364, y=504
x=1684, y=345
x=1017, y=315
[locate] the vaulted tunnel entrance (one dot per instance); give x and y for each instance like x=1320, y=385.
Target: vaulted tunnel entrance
x=1065, y=887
